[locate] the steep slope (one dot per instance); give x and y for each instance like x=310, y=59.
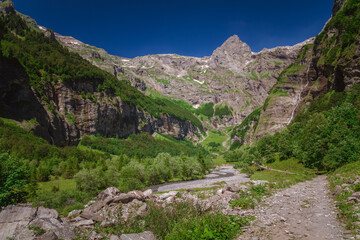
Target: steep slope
x=233, y=77
x=69, y=97
x=331, y=63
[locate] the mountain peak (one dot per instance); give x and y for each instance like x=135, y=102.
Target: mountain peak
x=231, y=54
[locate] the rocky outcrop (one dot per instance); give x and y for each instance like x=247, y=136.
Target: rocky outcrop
x=233, y=54
x=23, y=222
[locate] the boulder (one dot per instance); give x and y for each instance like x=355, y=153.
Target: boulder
x=108, y=193
x=148, y=193
x=232, y=188
x=93, y=212
x=81, y=223
x=137, y=195
x=44, y=213
x=167, y=195
x=48, y=236
x=230, y=195
x=139, y=236
x=74, y=213
x=123, y=198
x=15, y=222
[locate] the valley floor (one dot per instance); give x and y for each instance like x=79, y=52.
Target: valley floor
x=303, y=211
x=221, y=174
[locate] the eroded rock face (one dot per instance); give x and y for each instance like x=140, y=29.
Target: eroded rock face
x=72, y=115
x=16, y=222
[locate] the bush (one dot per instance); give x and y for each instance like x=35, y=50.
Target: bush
x=13, y=180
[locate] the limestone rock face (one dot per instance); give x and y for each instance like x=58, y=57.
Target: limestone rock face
x=16, y=223
x=72, y=115
x=232, y=55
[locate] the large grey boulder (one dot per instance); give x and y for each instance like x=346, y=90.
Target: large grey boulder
x=16, y=223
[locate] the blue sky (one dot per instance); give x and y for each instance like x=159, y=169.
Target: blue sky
x=189, y=27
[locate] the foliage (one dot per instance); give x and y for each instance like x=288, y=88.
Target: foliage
x=250, y=121
x=141, y=145
x=348, y=212
x=338, y=49
x=183, y=220
x=324, y=136
x=206, y=109
x=13, y=180
x=223, y=110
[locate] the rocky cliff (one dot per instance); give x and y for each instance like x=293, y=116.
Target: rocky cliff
x=330, y=64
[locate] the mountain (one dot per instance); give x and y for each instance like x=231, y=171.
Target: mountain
x=331, y=63
x=233, y=77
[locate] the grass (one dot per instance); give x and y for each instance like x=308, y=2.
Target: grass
x=347, y=211
x=60, y=184
x=181, y=221
x=283, y=179
x=213, y=142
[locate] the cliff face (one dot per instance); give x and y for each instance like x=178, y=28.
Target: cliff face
x=62, y=111
x=331, y=63
x=68, y=115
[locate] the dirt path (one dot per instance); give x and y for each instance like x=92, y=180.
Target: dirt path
x=303, y=211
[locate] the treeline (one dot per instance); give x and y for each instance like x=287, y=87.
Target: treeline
x=46, y=61
x=142, y=145
x=127, y=164
x=325, y=135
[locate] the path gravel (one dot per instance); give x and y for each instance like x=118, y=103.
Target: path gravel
x=221, y=174
x=303, y=211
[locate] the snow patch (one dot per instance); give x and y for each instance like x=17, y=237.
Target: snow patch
x=125, y=60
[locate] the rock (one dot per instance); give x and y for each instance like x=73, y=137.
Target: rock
x=233, y=188
x=84, y=223
x=345, y=185
x=167, y=195
x=347, y=189
x=110, y=192
x=230, y=195
x=93, y=212
x=137, y=195
x=43, y=213
x=15, y=222
x=148, y=193
x=114, y=237
x=48, y=236
x=74, y=213
x=337, y=190
x=139, y=236
x=220, y=191
x=170, y=199
x=123, y=198
x=142, y=210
